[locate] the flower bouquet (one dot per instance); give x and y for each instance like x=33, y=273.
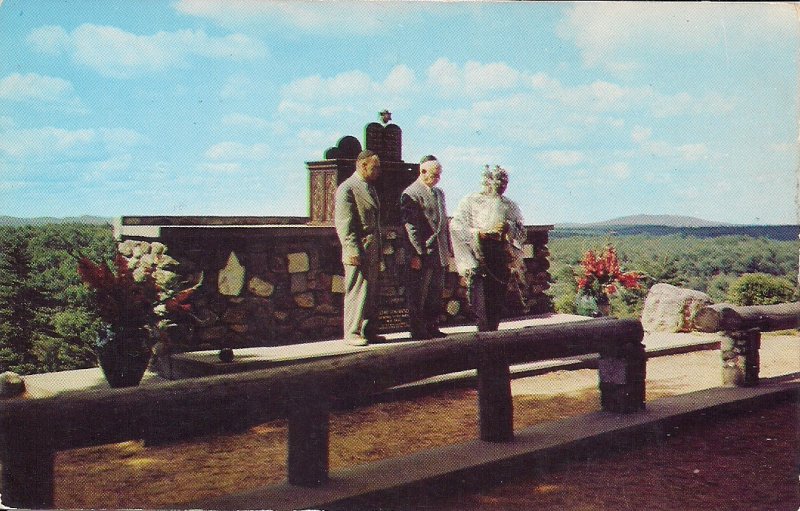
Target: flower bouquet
x=133, y=307
x=600, y=278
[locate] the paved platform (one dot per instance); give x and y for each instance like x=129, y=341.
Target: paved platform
x=202, y=363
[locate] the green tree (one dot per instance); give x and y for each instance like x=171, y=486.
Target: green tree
x=17, y=303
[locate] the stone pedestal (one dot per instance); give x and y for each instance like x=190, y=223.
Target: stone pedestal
x=740, y=358
x=622, y=372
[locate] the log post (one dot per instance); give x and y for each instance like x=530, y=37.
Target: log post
x=307, y=457
x=27, y=472
x=495, y=407
x=740, y=358
x=622, y=370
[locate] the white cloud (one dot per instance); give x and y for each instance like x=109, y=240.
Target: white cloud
x=49, y=40
x=121, y=138
x=400, y=79
x=473, y=79
x=619, y=170
x=312, y=17
x=237, y=151
x=659, y=148
x=224, y=168
x=236, y=87
x=604, y=96
x=51, y=142
x=474, y=158
x=346, y=94
x=118, y=163
x=561, y=158
x=45, y=142
x=640, y=134
x=33, y=87
x=614, y=34
x=116, y=53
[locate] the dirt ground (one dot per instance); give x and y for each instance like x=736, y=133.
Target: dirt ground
x=747, y=463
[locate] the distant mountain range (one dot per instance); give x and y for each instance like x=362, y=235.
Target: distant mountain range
x=44, y=220
x=659, y=220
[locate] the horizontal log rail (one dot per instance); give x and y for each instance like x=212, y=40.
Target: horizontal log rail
x=732, y=318
x=32, y=430
x=741, y=328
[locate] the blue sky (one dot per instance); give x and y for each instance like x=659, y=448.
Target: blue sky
x=598, y=110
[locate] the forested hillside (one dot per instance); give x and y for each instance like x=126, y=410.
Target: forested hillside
x=45, y=322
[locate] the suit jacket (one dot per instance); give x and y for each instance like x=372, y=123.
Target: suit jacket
x=357, y=220
x=424, y=214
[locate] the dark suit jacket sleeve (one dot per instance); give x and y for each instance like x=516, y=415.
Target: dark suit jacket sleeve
x=412, y=217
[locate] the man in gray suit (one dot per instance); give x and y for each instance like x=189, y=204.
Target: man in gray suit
x=424, y=215
x=357, y=219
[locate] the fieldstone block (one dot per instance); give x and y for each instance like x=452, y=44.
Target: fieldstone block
x=326, y=309
x=304, y=300
x=337, y=284
x=527, y=251
x=230, y=280
x=235, y=315
x=11, y=384
x=453, y=307
x=260, y=287
x=215, y=333
x=669, y=308
x=157, y=248
x=297, y=262
x=238, y=328
x=126, y=248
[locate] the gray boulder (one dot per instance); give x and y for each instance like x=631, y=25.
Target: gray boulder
x=669, y=308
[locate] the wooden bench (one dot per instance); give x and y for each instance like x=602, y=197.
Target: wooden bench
x=32, y=430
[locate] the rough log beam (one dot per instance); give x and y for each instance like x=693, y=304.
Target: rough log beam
x=731, y=318
x=237, y=401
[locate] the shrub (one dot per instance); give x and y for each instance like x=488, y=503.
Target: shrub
x=565, y=303
x=760, y=289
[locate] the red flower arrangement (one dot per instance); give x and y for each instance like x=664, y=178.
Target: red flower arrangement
x=126, y=300
x=602, y=273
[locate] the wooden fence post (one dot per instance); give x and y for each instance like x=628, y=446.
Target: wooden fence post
x=27, y=472
x=495, y=407
x=740, y=358
x=307, y=457
x=622, y=371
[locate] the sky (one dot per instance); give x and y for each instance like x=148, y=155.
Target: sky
x=597, y=110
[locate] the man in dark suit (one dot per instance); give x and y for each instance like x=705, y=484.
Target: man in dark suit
x=424, y=216
x=357, y=219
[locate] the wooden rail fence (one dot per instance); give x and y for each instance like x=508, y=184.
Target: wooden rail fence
x=32, y=430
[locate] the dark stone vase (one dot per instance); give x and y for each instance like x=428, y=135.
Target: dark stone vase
x=124, y=356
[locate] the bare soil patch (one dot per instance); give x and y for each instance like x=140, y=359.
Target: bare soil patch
x=130, y=475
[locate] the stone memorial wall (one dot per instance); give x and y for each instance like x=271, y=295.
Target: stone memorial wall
x=268, y=284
